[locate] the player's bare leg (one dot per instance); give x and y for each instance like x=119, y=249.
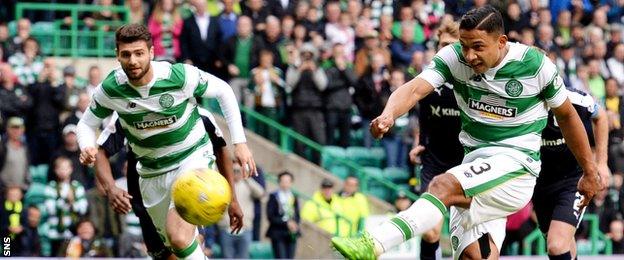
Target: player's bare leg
x=474, y=252
x=426, y=213
x=560, y=240
x=181, y=235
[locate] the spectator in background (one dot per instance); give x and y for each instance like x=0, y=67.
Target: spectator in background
x=614, y=106
x=258, y=13
x=567, y=63
x=305, y=82
x=545, y=38
x=227, y=21
x=563, y=29
x=355, y=204
x=30, y=241
x=138, y=11
x=616, y=63
x=11, y=225
x=199, y=40
x=273, y=41
x=69, y=149
x=372, y=92
x=70, y=88
x=417, y=65
x=102, y=14
x=23, y=33
x=363, y=55
x=616, y=234
x=94, y=78
x=14, y=156
x=338, y=101
x=301, y=11
x=27, y=64
x=43, y=121
x=342, y=32
x=5, y=42
x=402, y=202
x=514, y=21
x=615, y=38
x=240, y=55
x=596, y=82
x=331, y=18
x=312, y=21
x=269, y=94
x=288, y=25
x=78, y=110
x=236, y=243
x=528, y=37
x=85, y=244
x=65, y=202
x=281, y=8
x=403, y=49
x=14, y=99
x=581, y=80
x=165, y=25
x=323, y=210
x=283, y=215
x=407, y=19
x=599, y=53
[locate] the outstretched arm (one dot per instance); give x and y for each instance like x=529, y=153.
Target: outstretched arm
x=575, y=136
x=400, y=102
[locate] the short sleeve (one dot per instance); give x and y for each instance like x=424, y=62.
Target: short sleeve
x=438, y=71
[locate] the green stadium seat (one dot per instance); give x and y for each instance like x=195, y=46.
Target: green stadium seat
x=396, y=175
x=43, y=32
x=373, y=157
x=380, y=192
x=330, y=154
x=261, y=250
x=341, y=172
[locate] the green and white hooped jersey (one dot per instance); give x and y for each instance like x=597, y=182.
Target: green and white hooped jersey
x=507, y=106
x=161, y=120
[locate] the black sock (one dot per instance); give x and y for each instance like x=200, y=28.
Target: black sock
x=428, y=250
x=564, y=256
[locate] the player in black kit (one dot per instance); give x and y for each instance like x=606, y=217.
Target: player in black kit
x=556, y=198
x=437, y=142
x=112, y=140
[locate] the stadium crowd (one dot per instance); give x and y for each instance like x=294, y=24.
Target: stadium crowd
x=323, y=68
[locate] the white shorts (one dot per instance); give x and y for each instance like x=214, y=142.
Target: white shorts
x=499, y=185
x=156, y=191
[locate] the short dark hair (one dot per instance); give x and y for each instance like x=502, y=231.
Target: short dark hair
x=285, y=173
x=130, y=33
x=485, y=18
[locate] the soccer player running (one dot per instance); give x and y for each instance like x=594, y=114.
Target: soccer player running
x=437, y=143
x=113, y=139
x=556, y=197
x=157, y=106
x=504, y=91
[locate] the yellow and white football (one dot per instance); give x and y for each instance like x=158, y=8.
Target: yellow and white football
x=201, y=196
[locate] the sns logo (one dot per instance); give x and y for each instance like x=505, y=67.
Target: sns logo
x=6, y=246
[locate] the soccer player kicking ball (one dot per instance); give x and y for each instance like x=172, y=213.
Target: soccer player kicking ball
x=556, y=197
x=504, y=91
x=157, y=108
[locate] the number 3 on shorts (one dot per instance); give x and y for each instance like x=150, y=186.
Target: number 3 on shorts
x=481, y=169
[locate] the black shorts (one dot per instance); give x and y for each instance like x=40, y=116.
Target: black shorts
x=155, y=246
x=427, y=172
x=557, y=201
